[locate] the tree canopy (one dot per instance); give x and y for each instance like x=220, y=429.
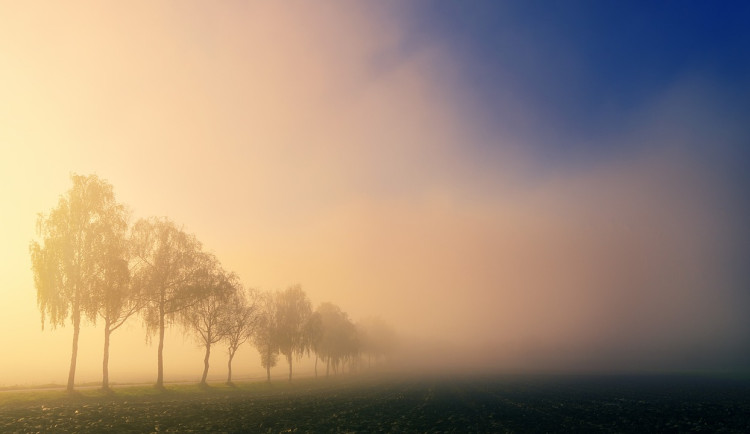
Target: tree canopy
x=242, y=320
x=80, y=256
x=265, y=338
x=338, y=336
x=173, y=271
x=293, y=309
x=208, y=317
x=89, y=263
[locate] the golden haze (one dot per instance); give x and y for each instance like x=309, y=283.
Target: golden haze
x=305, y=145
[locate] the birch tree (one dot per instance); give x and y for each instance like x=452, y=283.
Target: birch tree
x=171, y=268
x=265, y=338
x=207, y=319
x=242, y=321
x=72, y=259
x=117, y=299
x=292, y=312
x=314, y=336
x=337, y=341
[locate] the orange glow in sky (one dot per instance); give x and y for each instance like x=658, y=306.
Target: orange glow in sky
x=303, y=145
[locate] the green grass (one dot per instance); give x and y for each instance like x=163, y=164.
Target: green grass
x=36, y=396
x=676, y=403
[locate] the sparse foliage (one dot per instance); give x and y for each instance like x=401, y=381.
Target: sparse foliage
x=208, y=316
x=377, y=338
x=314, y=336
x=337, y=340
x=117, y=299
x=172, y=270
x=292, y=312
x=241, y=322
x=89, y=265
x=265, y=337
x=78, y=255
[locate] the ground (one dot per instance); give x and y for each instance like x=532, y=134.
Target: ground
x=397, y=404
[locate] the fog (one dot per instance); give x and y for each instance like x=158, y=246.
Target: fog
x=322, y=145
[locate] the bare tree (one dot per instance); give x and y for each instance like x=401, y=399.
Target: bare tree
x=292, y=312
x=171, y=268
x=265, y=337
x=71, y=261
x=241, y=322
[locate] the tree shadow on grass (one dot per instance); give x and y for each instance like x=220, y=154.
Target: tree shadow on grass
x=73, y=394
x=107, y=391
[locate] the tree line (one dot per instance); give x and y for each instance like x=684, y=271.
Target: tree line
x=91, y=264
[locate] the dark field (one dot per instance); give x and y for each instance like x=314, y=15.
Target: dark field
x=367, y=404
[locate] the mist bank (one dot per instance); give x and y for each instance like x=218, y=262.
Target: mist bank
x=430, y=358
x=333, y=147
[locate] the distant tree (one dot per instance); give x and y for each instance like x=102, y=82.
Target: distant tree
x=208, y=317
x=171, y=268
x=314, y=336
x=73, y=259
x=265, y=337
x=241, y=322
x=292, y=312
x=350, y=345
x=338, y=337
x=363, y=335
x=377, y=338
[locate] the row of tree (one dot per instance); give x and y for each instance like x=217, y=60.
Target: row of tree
x=90, y=264
x=289, y=327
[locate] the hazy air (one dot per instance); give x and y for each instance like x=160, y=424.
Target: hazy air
x=319, y=144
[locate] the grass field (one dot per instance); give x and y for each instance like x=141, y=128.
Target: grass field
x=367, y=404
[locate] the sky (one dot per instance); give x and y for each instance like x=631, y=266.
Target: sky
x=512, y=185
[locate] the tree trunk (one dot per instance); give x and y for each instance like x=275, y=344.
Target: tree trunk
x=316, y=366
x=268, y=372
x=74, y=355
x=289, y=358
x=328, y=366
x=205, y=364
x=160, y=357
x=105, y=361
x=229, y=366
